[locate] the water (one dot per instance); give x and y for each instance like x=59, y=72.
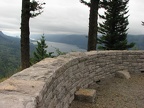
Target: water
x=52, y=46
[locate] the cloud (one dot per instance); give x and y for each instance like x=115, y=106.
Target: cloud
x=62, y=19
x=62, y=16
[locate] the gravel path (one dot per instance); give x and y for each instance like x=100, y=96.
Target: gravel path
x=117, y=93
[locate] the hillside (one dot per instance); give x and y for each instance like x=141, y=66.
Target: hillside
x=9, y=54
x=138, y=39
x=10, y=48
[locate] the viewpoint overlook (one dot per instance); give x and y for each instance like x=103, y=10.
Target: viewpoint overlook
x=52, y=82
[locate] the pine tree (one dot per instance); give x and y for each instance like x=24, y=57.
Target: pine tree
x=114, y=28
x=92, y=35
x=29, y=10
x=41, y=51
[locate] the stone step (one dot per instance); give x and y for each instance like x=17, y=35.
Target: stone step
x=85, y=95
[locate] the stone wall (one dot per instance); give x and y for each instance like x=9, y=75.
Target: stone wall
x=52, y=82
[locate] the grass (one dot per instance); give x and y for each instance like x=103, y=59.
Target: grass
x=1, y=80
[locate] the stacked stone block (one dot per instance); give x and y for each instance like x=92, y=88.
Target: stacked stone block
x=52, y=82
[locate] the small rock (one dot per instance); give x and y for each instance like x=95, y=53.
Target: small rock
x=123, y=74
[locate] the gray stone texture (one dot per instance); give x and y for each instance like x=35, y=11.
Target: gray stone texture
x=124, y=74
x=86, y=95
x=52, y=82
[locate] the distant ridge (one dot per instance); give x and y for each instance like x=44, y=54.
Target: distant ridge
x=5, y=39
x=81, y=40
x=138, y=40
x=73, y=39
x=2, y=36
x=9, y=54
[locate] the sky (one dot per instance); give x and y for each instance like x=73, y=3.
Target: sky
x=62, y=17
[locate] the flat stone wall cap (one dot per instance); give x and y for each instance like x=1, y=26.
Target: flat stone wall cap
x=16, y=101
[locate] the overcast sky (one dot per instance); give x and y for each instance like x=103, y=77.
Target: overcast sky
x=62, y=17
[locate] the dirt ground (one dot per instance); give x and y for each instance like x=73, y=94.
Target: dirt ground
x=117, y=93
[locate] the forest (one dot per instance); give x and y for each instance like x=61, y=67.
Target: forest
x=10, y=55
x=113, y=33
x=10, y=49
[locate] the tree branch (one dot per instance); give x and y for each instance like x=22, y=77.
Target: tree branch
x=36, y=8
x=142, y=23
x=86, y=3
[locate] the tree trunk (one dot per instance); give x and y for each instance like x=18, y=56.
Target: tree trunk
x=92, y=35
x=25, y=49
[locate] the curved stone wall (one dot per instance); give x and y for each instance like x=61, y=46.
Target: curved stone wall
x=52, y=82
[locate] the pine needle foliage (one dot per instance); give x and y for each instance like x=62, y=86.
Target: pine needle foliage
x=114, y=28
x=41, y=51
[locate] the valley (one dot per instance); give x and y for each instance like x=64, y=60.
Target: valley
x=10, y=48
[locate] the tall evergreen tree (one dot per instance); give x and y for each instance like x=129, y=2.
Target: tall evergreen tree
x=92, y=35
x=29, y=10
x=41, y=51
x=114, y=28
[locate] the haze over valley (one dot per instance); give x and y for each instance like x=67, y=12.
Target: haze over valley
x=10, y=48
